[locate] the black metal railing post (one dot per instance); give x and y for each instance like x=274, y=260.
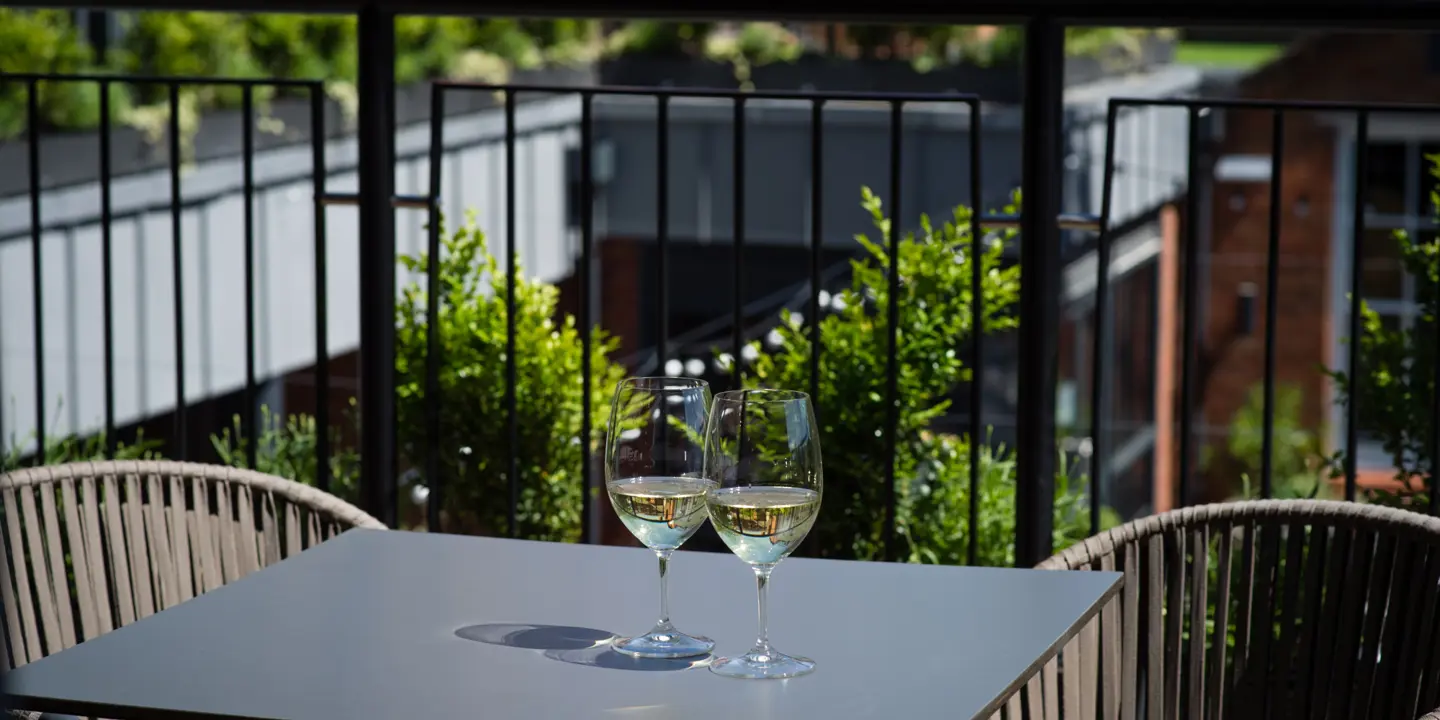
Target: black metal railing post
x=179, y=441
x=892, y=329
x=977, y=332
x=737, y=340
x=1272, y=302
x=376, y=174
x=247, y=164
x=1039, y=289
x=1190, y=306
x=1357, y=262
x=1100, y=364
x=37, y=267
x=512, y=409
x=434, y=483
x=589, y=530
x=322, y=299
x=107, y=277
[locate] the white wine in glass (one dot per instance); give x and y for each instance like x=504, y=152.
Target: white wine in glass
x=654, y=455
x=762, y=451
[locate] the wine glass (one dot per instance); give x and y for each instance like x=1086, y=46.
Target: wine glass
x=762, y=451
x=654, y=455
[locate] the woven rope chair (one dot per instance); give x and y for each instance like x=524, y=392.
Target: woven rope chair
x=94, y=546
x=1331, y=609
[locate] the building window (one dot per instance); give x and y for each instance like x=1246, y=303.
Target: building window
x=1397, y=197
x=1398, y=185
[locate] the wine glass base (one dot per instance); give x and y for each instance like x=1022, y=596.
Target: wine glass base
x=772, y=666
x=671, y=644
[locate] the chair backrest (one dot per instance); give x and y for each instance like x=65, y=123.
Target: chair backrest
x=94, y=546
x=1274, y=609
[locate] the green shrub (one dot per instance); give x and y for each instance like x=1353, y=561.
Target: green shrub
x=74, y=448
x=45, y=41
x=474, y=446
x=286, y=447
x=934, y=510
x=657, y=38
x=1298, y=462
x=935, y=321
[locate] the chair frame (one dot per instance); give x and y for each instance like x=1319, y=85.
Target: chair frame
x=93, y=546
x=1369, y=554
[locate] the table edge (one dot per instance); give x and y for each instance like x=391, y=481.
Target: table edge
x=994, y=706
x=29, y=703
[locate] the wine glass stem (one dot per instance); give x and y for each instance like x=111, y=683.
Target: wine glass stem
x=762, y=583
x=664, y=621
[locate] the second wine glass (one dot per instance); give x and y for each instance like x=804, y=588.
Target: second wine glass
x=654, y=457
x=762, y=451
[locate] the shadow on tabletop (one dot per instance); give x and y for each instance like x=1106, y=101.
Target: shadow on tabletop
x=573, y=645
x=536, y=637
x=604, y=656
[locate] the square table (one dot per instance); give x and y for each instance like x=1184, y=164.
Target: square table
x=376, y=624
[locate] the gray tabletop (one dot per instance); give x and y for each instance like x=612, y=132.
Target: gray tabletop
x=398, y=625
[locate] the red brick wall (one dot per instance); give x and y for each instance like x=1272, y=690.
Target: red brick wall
x=1374, y=67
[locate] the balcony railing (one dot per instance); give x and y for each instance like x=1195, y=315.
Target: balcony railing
x=1040, y=224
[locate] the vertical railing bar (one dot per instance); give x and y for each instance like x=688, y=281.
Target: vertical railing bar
x=511, y=409
x=1100, y=365
x=587, y=232
x=376, y=175
x=662, y=231
x=977, y=329
x=247, y=159
x=1357, y=259
x=107, y=281
x=1190, y=320
x=1435, y=422
x=322, y=314
x=892, y=349
x=1272, y=296
x=1043, y=114
x=179, y=440
x=817, y=240
x=433, y=482
x=37, y=269
x=737, y=340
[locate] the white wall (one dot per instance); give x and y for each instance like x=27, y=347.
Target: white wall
x=213, y=268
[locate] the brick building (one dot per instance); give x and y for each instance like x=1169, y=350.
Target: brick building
x=1316, y=219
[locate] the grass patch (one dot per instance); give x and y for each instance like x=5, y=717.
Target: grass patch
x=1227, y=55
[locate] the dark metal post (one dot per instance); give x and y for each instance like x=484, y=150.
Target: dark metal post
x=1190, y=307
x=1272, y=297
x=180, y=443
x=817, y=240
x=37, y=268
x=589, y=532
x=376, y=173
x=1039, y=296
x=433, y=447
x=512, y=276
x=977, y=331
x=107, y=281
x=1357, y=261
x=322, y=297
x=737, y=340
x=892, y=345
x=1100, y=368
x=662, y=234
x=251, y=428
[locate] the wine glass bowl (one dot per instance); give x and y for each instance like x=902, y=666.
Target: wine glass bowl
x=654, y=458
x=762, y=452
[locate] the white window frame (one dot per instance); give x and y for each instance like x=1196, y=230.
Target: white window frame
x=1370, y=454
